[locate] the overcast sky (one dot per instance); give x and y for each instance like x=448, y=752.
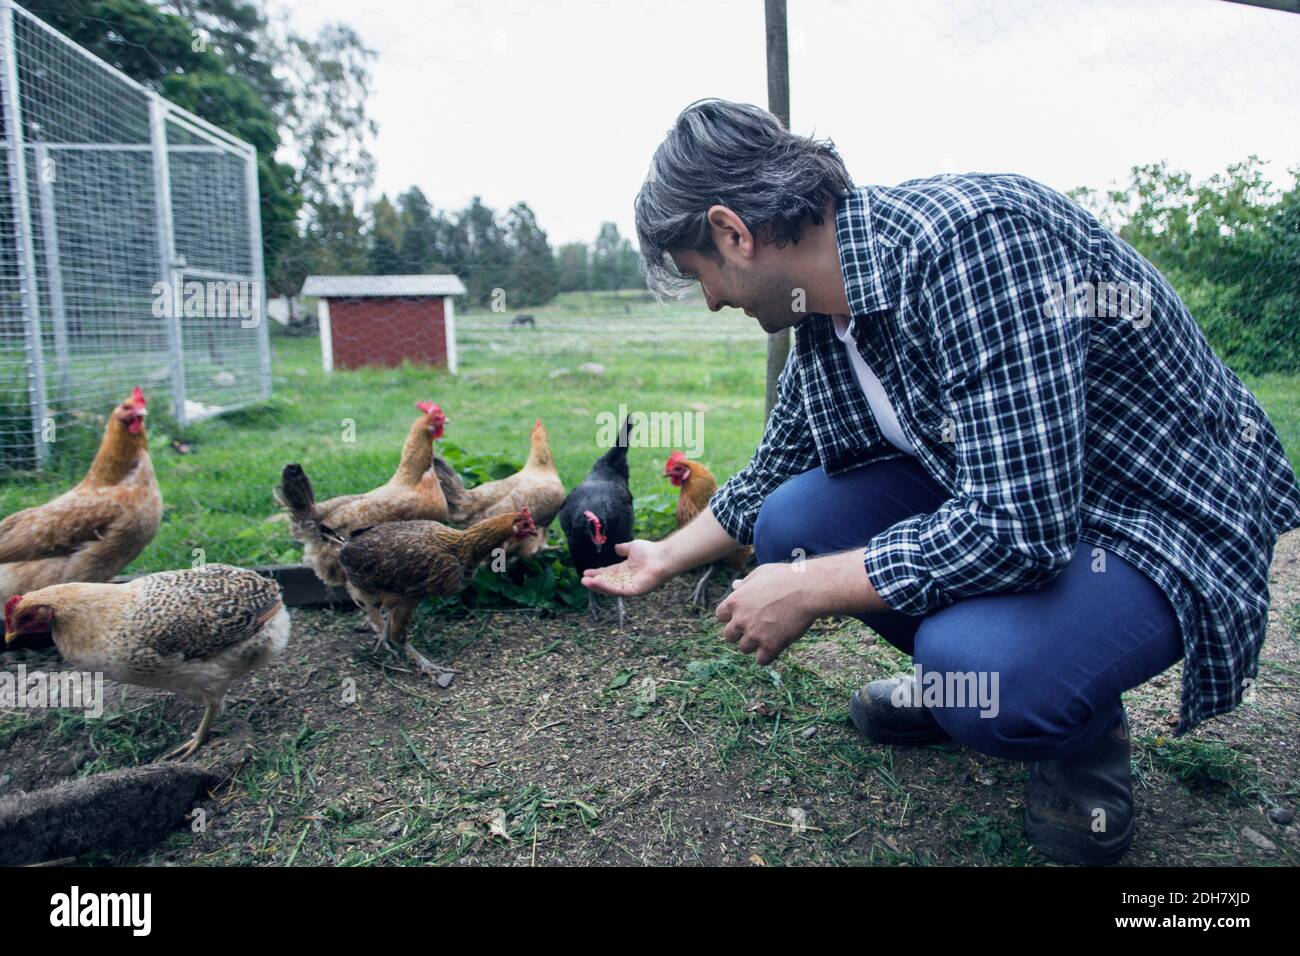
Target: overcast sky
x=561, y=104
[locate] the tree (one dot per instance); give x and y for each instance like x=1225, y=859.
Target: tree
x=482, y=254
x=606, y=258
x=573, y=269
x=532, y=265
x=1229, y=245
x=385, y=239
x=419, y=243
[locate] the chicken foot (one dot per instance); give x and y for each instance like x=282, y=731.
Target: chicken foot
x=187, y=749
x=701, y=588
x=396, y=623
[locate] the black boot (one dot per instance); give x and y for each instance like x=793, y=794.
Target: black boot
x=1080, y=809
x=889, y=712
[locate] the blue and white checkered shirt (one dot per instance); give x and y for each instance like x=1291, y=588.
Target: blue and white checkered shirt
x=1056, y=387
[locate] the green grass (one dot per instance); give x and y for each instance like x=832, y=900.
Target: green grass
x=218, y=496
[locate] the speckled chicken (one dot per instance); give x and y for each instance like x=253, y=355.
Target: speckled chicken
x=192, y=631
x=536, y=486
x=393, y=567
x=92, y=531
x=412, y=493
x=697, y=486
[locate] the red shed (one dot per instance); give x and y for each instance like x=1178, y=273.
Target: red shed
x=386, y=320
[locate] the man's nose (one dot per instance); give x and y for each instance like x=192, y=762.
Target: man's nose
x=712, y=302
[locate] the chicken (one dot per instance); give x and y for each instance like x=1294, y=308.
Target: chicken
x=413, y=493
x=192, y=631
x=391, y=568
x=598, y=515
x=94, y=530
x=536, y=486
x=697, y=486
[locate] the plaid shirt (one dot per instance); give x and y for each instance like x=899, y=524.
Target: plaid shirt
x=1047, y=418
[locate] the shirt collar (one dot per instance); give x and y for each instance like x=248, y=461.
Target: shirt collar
x=864, y=283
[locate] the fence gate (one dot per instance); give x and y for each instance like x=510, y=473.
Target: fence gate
x=130, y=248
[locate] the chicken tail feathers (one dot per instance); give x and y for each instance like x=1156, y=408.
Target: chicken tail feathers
x=295, y=492
x=453, y=488
x=615, y=460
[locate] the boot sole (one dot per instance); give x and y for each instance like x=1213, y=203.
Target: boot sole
x=1061, y=847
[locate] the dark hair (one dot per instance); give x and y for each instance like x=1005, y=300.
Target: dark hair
x=739, y=156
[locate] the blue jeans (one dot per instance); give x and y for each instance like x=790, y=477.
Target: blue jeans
x=1061, y=655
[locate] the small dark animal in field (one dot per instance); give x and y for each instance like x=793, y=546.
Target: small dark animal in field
x=598, y=514
x=522, y=320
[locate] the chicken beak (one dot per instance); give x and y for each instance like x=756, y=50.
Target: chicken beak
x=11, y=636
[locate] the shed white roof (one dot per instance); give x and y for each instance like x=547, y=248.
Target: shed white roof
x=342, y=287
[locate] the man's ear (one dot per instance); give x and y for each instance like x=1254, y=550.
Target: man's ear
x=730, y=234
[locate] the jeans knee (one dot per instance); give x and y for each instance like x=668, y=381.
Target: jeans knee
x=997, y=707
x=778, y=529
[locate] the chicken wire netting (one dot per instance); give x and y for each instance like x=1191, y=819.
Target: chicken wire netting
x=129, y=250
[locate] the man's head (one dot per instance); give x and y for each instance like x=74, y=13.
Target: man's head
x=729, y=191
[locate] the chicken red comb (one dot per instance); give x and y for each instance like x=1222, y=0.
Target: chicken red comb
x=676, y=458
x=525, y=512
x=9, y=609
x=137, y=396
x=428, y=407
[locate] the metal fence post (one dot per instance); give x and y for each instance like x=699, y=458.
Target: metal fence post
x=254, y=202
x=46, y=174
x=25, y=253
x=167, y=264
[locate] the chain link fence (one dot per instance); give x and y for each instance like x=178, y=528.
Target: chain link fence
x=130, y=249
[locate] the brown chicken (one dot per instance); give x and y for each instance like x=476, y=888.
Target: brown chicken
x=536, y=486
x=412, y=493
x=393, y=567
x=697, y=486
x=192, y=631
x=94, y=530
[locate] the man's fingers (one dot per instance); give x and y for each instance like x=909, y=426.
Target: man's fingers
x=748, y=644
x=723, y=611
x=733, y=632
x=621, y=548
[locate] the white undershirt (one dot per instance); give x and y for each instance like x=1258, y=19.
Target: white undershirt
x=871, y=387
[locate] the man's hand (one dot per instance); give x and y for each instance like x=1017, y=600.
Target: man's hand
x=767, y=611
x=651, y=563
x=644, y=570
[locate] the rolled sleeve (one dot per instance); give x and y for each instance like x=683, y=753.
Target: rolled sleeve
x=787, y=449
x=1012, y=381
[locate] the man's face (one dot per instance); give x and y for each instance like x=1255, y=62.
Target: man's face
x=756, y=285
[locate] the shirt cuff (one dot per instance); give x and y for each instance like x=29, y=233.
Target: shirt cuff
x=895, y=566
x=727, y=505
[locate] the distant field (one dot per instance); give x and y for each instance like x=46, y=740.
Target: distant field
x=600, y=321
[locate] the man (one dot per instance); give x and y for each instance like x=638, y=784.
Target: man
x=1000, y=440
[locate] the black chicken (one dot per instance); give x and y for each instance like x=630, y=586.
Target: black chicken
x=598, y=514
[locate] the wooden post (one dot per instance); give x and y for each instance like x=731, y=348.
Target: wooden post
x=778, y=103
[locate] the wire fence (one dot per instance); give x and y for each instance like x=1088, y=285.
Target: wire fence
x=130, y=249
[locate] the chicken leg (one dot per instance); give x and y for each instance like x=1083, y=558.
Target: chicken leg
x=698, y=595
x=397, y=621
x=187, y=749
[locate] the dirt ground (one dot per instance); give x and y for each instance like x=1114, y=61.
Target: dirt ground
x=562, y=740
